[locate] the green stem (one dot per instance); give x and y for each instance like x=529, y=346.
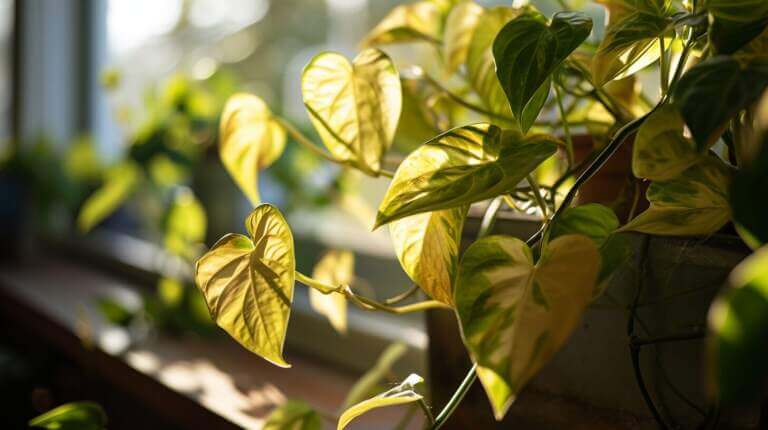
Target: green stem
x=566, y=126
x=457, y=397
x=664, y=73
x=403, y=296
x=469, y=105
x=537, y=195
x=305, y=141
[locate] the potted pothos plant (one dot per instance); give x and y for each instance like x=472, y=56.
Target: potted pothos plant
x=499, y=119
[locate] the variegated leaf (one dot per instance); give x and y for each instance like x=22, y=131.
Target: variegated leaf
x=427, y=246
x=248, y=282
x=459, y=29
x=401, y=394
x=515, y=314
x=334, y=268
x=419, y=21
x=462, y=166
x=661, y=150
x=354, y=107
x=693, y=203
x=250, y=139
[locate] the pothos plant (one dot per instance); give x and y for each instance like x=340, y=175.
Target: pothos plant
x=515, y=86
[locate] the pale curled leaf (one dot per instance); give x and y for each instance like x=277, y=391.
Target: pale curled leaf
x=119, y=183
x=661, y=150
x=419, y=21
x=72, y=416
x=250, y=139
x=294, y=415
x=399, y=395
x=459, y=29
x=354, y=107
x=462, y=166
x=334, y=268
x=515, y=314
x=427, y=246
x=248, y=283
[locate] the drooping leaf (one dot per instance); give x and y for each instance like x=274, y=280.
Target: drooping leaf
x=365, y=386
x=399, y=395
x=693, y=203
x=419, y=21
x=250, y=139
x=119, y=183
x=661, y=150
x=294, y=415
x=427, y=245
x=738, y=321
x=354, y=107
x=186, y=224
x=737, y=10
x=527, y=51
x=515, y=314
x=459, y=29
x=72, y=416
x=750, y=214
x=462, y=166
x=334, y=268
x=711, y=93
x=248, y=283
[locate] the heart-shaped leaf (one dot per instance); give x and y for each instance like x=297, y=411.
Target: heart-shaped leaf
x=419, y=21
x=527, y=51
x=740, y=11
x=334, y=268
x=427, y=245
x=711, y=93
x=515, y=314
x=250, y=139
x=119, y=183
x=354, y=107
x=462, y=166
x=294, y=415
x=72, y=416
x=459, y=29
x=248, y=283
x=693, y=203
x=399, y=395
x=661, y=150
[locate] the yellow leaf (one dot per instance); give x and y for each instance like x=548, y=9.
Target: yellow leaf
x=459, y=28
x=419, y=21
x=661, y=150
x=250, y=139
x=248, y=283
x=399, y=395
x=119, y=183
x=186, y=224
x=354, y=107
x=334, y=268
x=515, y=314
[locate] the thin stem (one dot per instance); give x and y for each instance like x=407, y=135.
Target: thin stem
x=635, y=200
x=486, y=225
x=386, y=173
x=304, y=141
x=663, y=66
x=566, y=126
x=427, y=412
x=402, y=296
x=469, y=105
x=457, y=397
x=537, y=195
x=640, y=342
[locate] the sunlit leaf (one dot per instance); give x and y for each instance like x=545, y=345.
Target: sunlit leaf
x=462, y=166
x=170, y=291
x=459, y=29
x=119, y=183
x=371, y=380
x=693, y=203
x=515, y=314
x=334, y=268
x=186, y=224
x=527, y=51
x=81, y=161
x=354, y=107
x=738, y=321
x=399, y=395
x=426, y=112
x=419, y=21
x=711, y=93
x=661, y=150
x=427, y=245
x=737, y=10
x=750, y=214
x=250, y=139
x=72, y=416
x=248, y=283
x=294, y=415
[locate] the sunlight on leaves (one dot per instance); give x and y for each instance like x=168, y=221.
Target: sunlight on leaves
x=72, y=416
x=185, y=224
x=248, y=283
x=334, y=268
x=419, y=21
x=294, y=415
x=354, y=107
x=515, y=314
x=459, y=29
x=119, y=183
x=661, y=150
x=399, y=395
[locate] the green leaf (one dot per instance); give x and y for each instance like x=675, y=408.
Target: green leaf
x=738, y=321
x=81, y=161
x=419, y=21
x=185, y=225
x=427, y=245
x=114, y=312
x=661, y=150
x=72, y=416
x=294, y=415
x=630, y=44
x=593, y=220
x=119, y=183
x=371, y=380
x=334, y=268
x=250, y=139
x=354, y=107
x=727, y=36
x=693, y=203
x=462, y=166
x=527, y=51
x=711, y=93
x=750, y=214
x=460, y=27
x=738, y=10
x=399, y=395
x=515, y=314
x=248, y=283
